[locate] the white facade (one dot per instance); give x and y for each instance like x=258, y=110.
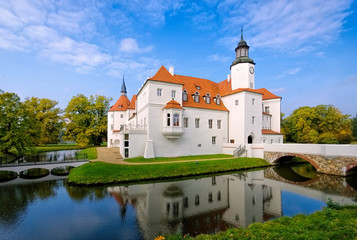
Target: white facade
x=175, y=115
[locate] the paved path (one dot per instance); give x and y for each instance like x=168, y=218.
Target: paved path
x=112, y=155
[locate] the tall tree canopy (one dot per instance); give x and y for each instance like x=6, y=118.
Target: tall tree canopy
x=320, y=124
x=48, y=118
x=17, y=129
x=354, y=127
x=87, y=119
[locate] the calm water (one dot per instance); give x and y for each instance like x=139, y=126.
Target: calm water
x=55, y=210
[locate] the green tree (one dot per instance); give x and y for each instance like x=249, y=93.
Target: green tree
x=87, y=119
x=17, y=128
x=320, y=124
x=354, y=127
x=47, y=117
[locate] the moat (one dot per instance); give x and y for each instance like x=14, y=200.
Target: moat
x=56, y=210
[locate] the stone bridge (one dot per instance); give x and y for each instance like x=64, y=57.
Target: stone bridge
x=326, y=158
x=49, y=166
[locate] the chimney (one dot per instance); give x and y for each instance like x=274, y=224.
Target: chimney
x=228, y=77
x=171, y=70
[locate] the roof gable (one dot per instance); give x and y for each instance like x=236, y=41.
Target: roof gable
x=121, y=104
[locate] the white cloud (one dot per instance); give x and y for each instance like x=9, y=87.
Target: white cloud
x=278, y=90
x=289, y=72
x=129, y=45
x=290, y=25
x=218, y=58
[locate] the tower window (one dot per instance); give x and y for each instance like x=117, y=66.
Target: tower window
x=197, y=122
x=236, y=102
x=185, y=122
x=219, y=123
x=173, y=93
x=184, y=95
x=253, y=120
x=213, y=140
x=267, y=110
x=253, y=101
x=159, y=92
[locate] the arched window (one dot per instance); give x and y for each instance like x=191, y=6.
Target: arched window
x=184, y=95
x=196, y=97
x=207, y=98
x=176, y=120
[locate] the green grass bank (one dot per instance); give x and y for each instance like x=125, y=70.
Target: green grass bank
x=183, y=158
x=329, y=223
x=105, y=173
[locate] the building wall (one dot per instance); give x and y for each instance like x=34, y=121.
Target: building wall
x=274, y=110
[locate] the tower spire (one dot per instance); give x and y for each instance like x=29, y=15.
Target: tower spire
x=241, y=33
x=123, y=87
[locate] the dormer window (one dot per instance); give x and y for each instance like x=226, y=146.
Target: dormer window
x=217, y=99
x=196, y=97
x=207, y=98
x=198, y=87
x=184, y=95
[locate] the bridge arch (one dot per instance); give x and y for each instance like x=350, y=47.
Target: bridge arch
x=288, y=156
x=351, y=169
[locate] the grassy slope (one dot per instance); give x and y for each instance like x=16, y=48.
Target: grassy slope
x=91, y=153
x=183, y=158
x=326, y=224
x=56, y=147
x=104, y=173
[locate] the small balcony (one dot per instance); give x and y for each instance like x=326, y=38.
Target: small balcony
x=173, y=132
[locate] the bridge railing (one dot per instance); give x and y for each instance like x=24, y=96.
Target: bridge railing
x=35, y=160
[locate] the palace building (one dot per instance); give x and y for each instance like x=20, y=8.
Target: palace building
x=177, y=115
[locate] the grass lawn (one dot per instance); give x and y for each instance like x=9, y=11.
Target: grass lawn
x=91, y=153
x=105, y=173
x=354, y=142
x=183, y=158
x=327, y=224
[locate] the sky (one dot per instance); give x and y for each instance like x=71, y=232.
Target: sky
x=305, y=51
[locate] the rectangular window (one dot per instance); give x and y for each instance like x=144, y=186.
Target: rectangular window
x=219, y=124
x=267, y=109
x=185, y=122
x=185, y=202
x=121, y=115
x=173, y=93
x=197, y=123
x=197, y=200
x=231, y=141
x=253, y=120
x=210, y=122
x=210, y=198
x=126, y=152
x=253, y=101
x=159, y=92
x=112, y=127
x=236, y=102
x=251, y=85
x=219, y=196
x=213, y=140
x=168, y=119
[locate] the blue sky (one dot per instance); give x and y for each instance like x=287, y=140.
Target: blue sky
x=305, y=51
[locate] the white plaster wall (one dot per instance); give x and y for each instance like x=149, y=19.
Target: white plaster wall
x=272, y=138
x=187, y=143
x=274, y=108
x=266, y=121
x=241, y=77
x=165, y=94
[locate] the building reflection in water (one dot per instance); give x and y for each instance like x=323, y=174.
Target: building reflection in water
x=213, y=204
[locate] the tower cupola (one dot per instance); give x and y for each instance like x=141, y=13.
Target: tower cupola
x=242, y=51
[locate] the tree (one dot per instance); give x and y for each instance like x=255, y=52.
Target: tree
x=354, y=127
x=87, y=119
x=17, y=128
x=320, y=124
x=47, y=117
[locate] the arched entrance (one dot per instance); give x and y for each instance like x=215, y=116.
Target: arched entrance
x=250, y=139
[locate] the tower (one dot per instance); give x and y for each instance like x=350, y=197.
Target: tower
x=242, y=68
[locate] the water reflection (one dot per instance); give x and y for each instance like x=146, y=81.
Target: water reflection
x=56, y=210
x=209, y=205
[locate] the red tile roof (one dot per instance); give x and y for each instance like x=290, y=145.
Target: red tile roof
x=204, y=86
x=266, y=131
x=121, y=105
x=173, y=104
x=132, y=102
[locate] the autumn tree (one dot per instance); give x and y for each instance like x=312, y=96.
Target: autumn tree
x=17, y=129
x=47, y=118
x=87, y=119
x=320, y=124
